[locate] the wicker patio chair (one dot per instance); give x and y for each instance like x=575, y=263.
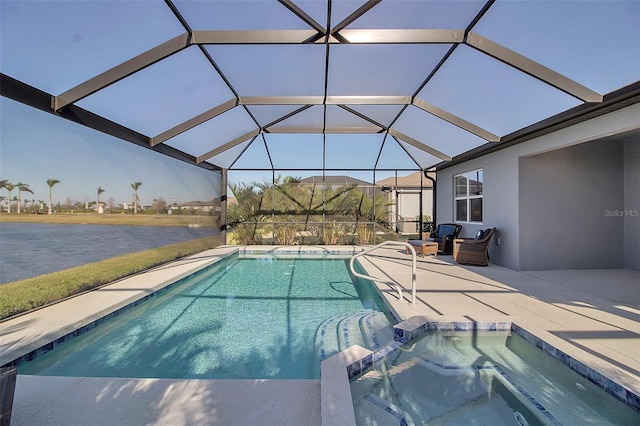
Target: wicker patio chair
x=444, y=235
x=472, y=251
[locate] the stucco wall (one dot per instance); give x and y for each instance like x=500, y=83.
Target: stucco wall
x=631, y=148
x=502, y=192
x=500, y=207
x=567, y=202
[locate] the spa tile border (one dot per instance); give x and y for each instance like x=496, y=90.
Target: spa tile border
x=416, y=327
x=613, y=388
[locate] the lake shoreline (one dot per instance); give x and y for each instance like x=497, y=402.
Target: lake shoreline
x=111, y=219
x=31, y=249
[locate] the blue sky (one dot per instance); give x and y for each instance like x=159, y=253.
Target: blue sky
x=55, y=45
x=37, y=146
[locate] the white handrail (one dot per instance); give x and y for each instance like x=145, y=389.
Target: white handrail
x=390, y=283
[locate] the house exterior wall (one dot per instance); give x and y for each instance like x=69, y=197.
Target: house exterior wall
x=500, y=207
x=631, y=149
x=503, y=192
x=567, y=198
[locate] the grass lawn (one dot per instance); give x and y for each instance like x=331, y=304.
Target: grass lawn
x=24, y=295
x=111, y=219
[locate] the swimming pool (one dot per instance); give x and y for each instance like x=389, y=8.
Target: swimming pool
x=480, y=377
x=260, y=317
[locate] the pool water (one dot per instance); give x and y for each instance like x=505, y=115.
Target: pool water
x=482, y=378
x=261, y=318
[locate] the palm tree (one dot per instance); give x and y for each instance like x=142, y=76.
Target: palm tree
x=51, y=182
x=9, y=187
x=243, y=217
x=3, y=184
x=100, y=191
x=22, y=187
x=2, y=199
x=135, y=187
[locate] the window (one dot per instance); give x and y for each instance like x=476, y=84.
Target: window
x=468, y=196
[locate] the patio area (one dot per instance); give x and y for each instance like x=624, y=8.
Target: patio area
x=591, y=315
x=298, y=122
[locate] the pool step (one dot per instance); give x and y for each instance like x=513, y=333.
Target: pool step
x=326, y=342
x=369, y=329
x=376, y=330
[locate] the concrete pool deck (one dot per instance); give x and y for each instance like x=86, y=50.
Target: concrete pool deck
x=591, y=315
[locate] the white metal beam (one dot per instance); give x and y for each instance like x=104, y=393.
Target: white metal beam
x=328, y=130
x=402, y=36
x=228, y=145
x=368, y=100
x=419, y=145
x=280, y=100
x=532, y=68
x=319, y=100
x=252, y=36
x=120, y=71
x=455, y=120
x=195, y=121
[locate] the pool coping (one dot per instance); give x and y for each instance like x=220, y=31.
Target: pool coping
x=406, y=317
x=73, y=322
x=77, y=317
x=73, y=319
x=335, y=398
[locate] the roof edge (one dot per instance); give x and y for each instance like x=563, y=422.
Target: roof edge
x=613, y=101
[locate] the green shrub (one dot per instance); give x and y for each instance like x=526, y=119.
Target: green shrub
x=21, y=296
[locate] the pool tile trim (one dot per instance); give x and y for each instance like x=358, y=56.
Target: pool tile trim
x=46, y=347
x=403, y=333
x=608, y=385
x=416, y=327
x=287, y=251
x=91, y=325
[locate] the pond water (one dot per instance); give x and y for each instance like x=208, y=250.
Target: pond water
x=30, y=249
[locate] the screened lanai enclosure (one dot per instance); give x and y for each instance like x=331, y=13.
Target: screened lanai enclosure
x=304, y=119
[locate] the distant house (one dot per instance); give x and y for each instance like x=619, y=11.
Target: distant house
x=126, y=206
x=335, y=182
x=204, y=206
x=406, y=195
